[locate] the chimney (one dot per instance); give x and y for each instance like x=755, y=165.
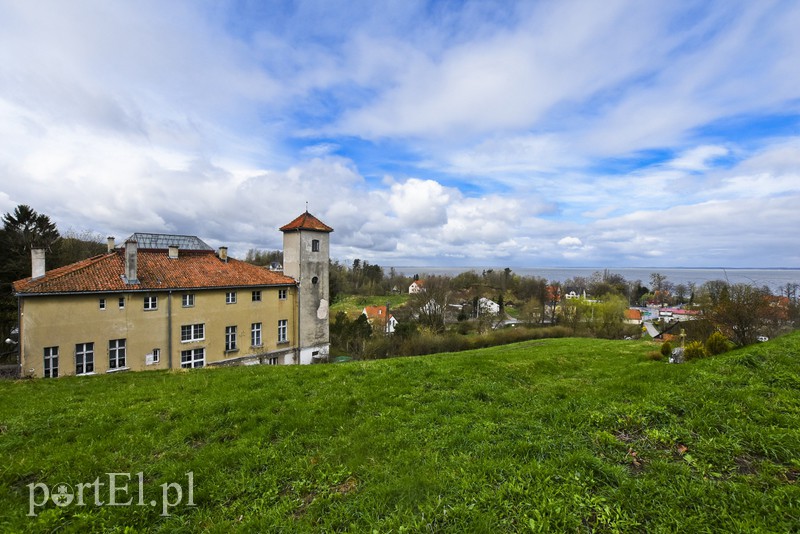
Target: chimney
x=223, y=254
x=37, y=263
x=130, y=261
x=173, y=252
x=111, y=243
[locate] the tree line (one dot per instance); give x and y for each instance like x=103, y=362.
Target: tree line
x=450, y=307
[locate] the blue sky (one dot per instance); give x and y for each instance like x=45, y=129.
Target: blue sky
x=523, y=134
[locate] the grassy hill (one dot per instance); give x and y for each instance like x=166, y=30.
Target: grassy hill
x=571, y=435
x=353, y=305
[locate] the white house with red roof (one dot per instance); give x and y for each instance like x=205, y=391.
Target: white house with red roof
x=380, y=318
x=417, y=286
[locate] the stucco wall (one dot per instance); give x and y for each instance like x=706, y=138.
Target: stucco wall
x=67, y=320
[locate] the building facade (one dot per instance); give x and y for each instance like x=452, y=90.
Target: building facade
x=168, y=302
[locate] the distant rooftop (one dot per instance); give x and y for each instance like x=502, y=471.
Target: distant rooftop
x=164, y=241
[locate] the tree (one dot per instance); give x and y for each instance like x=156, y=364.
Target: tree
x=739, y=311
x=23, y=230
x=263, y=258
x=608, y=317
x=429, y=306
x=350, y=337
x=73, y=247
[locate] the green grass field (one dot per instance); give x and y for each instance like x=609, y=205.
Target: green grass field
x=353, y=305
x=567, y=435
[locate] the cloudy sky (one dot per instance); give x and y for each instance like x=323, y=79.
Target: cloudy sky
x=538, y=133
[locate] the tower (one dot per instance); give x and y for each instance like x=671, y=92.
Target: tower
x=306, y=253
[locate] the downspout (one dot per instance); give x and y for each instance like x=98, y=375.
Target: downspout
x=19, y=336
x=169, y=329
x=299, y=300
x=297, y=307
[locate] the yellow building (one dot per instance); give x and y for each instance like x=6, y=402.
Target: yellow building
x=164, y=302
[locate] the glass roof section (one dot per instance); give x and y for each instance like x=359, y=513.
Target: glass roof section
x=164, y=241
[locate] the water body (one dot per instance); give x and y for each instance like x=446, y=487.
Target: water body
x=775, y=279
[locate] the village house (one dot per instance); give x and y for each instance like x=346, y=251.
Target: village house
x=417, y=286
x=488, y=306
x=168, y=301
x=633, y=316
x=377, y=317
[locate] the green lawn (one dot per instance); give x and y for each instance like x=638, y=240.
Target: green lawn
x=567, y=435
x=353, y=305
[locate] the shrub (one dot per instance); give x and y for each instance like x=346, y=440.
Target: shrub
x=717, y=344
x=695, y=350
x=655, y=355
x=666, y=349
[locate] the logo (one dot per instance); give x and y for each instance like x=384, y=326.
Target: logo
x=114, y=492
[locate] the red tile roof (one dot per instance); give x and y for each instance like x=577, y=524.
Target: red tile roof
x=155, y=272
x=374, y=312
x=633, y=315
x=306, y=221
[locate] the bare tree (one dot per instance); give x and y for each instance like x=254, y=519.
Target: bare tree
x=429, y=306
x=740, y=311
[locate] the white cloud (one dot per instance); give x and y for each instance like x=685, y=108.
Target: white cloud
x=698, y=159
x=477, y=133
x=421, y=203
x=570, y=242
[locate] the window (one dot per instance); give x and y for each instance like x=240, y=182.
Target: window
x=153, y=358
x=282, y=331
x=281, y=294
x=230, y=297
x=102, y=304
x=151, y=303
x=193, y=358
x=256, y=296
x=315, y=245
x=255, y=335
x=314, y=280
x=84, y=358
x=273, y=361
x=116, y=354
x=230, y=338
x=187, y=300
x=192, y=332
x=51, y=362
x=122, y=303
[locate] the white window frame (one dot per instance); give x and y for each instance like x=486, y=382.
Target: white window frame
x=282, y=294
x=193, y=332
x=84, y=358
x=230, y=297
x=50, y=369
x=187, y=300
x=272, y=360
x=150, y=302
x=117, y=354
x=256, y=339
x=193, y=358
x=121, y=303
x=230, y=339
x=102, y=304
x=283, y=331
x=153, y=358
x=256, y=295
